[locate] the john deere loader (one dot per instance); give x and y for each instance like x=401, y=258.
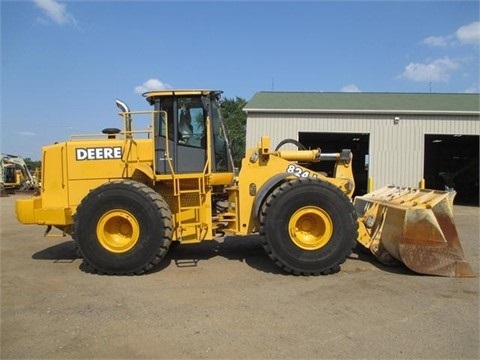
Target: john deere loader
x=125, y=195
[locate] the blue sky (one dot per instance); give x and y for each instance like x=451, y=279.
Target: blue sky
x=63, y=63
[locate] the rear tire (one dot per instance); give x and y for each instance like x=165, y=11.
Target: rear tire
x=308, y=227
x=123, y=227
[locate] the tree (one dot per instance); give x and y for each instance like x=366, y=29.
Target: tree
x=236, y=122
x=31, y=164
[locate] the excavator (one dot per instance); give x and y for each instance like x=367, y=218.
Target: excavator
x=126, y=195
x=15, y=175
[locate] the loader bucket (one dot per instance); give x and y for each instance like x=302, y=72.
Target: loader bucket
x=415, y=227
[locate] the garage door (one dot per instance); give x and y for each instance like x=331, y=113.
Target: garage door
x=335, y=142
x=451, y=162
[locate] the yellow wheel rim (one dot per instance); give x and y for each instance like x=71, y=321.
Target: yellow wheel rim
x=310, y=228
x=118, y=231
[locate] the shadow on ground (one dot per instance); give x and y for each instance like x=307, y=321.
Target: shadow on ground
x=246, y=249
x=364, y=255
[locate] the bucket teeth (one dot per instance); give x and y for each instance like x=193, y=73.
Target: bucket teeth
x=415, y=227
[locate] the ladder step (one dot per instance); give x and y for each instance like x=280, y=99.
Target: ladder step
x=186, y=262
x=189, y=191
x=189, y=208
x=190, y=224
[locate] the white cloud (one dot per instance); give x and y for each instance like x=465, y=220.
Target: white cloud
x=469, y=34
x=55, y=11
x=436, y=70
x=26, y=133
x=466, y=35
x=440, y=41
x=152, y=84
x=474, y=88
x=350, y=88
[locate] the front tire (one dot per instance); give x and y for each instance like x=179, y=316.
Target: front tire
x=308, y=226
x=123, y=227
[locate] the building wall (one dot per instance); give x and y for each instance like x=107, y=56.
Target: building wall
x=396, y=150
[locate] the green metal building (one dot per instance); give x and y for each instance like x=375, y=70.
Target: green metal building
x=397, y=138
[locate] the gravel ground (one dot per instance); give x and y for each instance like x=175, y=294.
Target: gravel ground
x=225, y=299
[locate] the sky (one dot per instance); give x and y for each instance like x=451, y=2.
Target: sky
x=63, y=63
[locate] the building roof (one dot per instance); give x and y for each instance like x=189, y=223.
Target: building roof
x=288, y=102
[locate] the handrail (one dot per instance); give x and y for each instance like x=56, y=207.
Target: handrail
x=125, y=133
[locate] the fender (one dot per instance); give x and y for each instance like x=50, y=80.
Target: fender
x=144, y=169
x=266, y=189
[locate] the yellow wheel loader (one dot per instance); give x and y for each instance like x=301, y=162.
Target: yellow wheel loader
x=125, y=195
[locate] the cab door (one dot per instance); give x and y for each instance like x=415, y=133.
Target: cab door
x=191, y=142
x=180, y=141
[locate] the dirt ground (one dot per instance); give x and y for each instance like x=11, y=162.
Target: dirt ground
x=226, y=299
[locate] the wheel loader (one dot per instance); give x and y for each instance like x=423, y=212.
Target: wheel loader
x=126, y=195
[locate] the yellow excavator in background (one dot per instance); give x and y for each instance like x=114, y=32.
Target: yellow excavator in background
x=125, y=195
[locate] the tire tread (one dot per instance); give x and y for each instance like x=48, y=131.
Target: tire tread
x=263, y=218
x=163, y=210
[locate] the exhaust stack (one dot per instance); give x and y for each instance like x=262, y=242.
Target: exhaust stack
x=124, y=109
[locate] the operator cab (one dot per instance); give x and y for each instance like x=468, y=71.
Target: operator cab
x=188, y=131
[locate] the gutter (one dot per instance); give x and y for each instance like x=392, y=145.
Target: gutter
x=363, y=111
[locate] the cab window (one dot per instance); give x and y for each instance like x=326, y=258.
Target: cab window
x=191, y=122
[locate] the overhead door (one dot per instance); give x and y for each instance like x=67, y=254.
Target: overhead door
x=335, y=142
x=451, y=162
